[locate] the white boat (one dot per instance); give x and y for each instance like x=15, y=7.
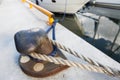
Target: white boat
x=61, y=6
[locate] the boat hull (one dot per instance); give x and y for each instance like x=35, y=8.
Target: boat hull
x=61, y=6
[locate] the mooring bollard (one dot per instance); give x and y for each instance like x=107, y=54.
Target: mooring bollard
x=36, y=40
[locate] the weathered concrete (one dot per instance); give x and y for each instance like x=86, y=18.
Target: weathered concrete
x=16, y=16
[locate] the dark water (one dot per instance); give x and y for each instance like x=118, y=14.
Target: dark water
x=104, y=45
x=69, y=22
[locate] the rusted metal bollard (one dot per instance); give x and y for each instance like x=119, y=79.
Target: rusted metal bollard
x=36, y=40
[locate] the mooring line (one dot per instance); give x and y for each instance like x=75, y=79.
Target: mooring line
x=90, y=61
x=73, y=64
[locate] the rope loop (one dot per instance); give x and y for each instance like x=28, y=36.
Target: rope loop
x=53, y=37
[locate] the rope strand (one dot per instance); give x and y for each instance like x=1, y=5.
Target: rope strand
x=106, y=68
x=71, y=63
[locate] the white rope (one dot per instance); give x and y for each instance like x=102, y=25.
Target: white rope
x=108, y=69
x=71, y=63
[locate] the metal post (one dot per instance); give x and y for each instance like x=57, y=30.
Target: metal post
x=116, y=36
x=116, y=49
x=96, y=27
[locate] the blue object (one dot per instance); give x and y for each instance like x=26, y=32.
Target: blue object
x=53, y=37
x=53, y=53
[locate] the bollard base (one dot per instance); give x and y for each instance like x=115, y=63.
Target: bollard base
x=39, y=68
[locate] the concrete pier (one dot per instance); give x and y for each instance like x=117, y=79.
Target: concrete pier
x=16, y=16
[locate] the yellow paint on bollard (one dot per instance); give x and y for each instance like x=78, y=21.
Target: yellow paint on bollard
x=31, y=6
x=23, y=0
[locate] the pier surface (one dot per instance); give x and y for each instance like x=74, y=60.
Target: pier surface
x=16, y=16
